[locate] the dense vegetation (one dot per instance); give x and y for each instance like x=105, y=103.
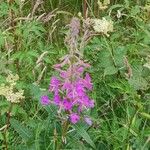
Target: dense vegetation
x=32, y=35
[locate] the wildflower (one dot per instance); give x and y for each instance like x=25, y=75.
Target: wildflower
x=79, y=89
x=103, y=26
x=80, y=69
x=45, y=100
x=74, y=118
x=8, y=90
x=11, y=79
x=54, y=85
x=104, y=5
x=87, y=82
x=71, y=86
x=67, y=85
x=85, y=101
x=67, y=105
x=57, y=99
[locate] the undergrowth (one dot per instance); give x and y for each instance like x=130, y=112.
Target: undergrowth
x=32, y=41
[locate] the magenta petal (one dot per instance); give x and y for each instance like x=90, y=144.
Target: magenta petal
x=67, y=86
x=74, y=118
x=67, y=105
x=54, y=81
x=45, y=100
x=57, y=99
x=79, y=89
x=87, y=82
x=80, y=69
x=54, y=85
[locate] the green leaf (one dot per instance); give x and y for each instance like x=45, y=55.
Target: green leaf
x=145, y=115
x=82, y=132
x=23, y=131
x=127, y=3
x=1, y=136
x=119, y=54
x=110, y=70
x=4, y=9
x=35, y=91
x=138, y=83
x=17, y=110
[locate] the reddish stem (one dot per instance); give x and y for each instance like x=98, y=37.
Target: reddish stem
x=84, y=8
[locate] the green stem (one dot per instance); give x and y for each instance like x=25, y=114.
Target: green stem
x=8, y=115
x=65, y=126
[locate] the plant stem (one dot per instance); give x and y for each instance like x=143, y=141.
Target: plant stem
x=65, y=126
x=84, y=8
x=8, y=115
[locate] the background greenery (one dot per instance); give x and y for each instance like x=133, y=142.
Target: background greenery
x=120, y=71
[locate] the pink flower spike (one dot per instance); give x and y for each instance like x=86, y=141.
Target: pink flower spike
x=74, y=118
x=88, y=120
x=45, y=100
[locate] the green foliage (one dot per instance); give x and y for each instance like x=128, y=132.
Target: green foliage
x=30, y=47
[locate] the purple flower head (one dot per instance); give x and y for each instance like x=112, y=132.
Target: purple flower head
x=88, y=120
x=85, y=101
x=67, y=105
x=57, y=99
x=79, y=89
x=45, y=100
x=74, y=118
x=54, y=85
x=80, y=70
x=67, y=85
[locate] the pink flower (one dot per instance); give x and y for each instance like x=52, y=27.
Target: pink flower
x=67, y=86
x=57, y=99
x=45, y=100
x=79, y=89
x=74, y=118
x=67, y=105
x=87, y=82
x=80, y=70
x=87, y=102
x=54, y=85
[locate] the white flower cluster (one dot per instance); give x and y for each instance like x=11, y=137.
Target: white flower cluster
x=8, y=90
x=102, y=26
x=103, y=5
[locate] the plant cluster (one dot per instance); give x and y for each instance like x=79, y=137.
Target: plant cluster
x=99, y=76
